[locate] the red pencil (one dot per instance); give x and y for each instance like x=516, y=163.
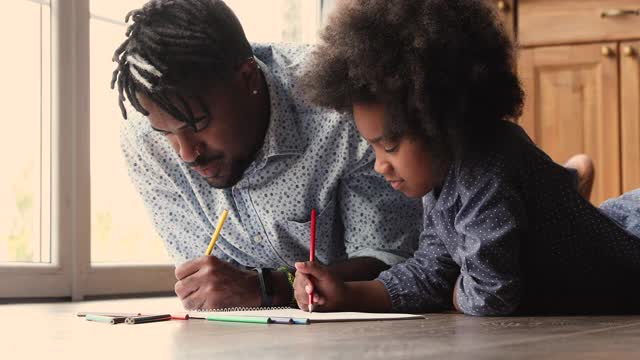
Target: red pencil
x=180, y=316
x=312, y=251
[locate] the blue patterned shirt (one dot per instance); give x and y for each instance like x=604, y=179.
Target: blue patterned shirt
x=510, y=230
x=311, y=158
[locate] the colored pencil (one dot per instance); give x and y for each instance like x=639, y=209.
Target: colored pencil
x=106, y=319
x=179, y=316
x=216, y=233
x=281, y=320
x=300, y=321
x=147, y=318
x=312, y=251
x=242, y=319
x=114, y=314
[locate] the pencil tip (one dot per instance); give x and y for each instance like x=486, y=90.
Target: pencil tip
x=310, y=308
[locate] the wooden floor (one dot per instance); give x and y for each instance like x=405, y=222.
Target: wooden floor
x=52, y=331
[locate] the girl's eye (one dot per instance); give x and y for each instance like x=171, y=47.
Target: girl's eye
x=391, y=149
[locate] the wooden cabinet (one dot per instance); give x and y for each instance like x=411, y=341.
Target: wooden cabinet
x=630, y=114
x=558, y=22
x=572, y=106
x=581, y=77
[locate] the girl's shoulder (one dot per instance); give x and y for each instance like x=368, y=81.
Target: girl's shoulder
x=508, y=162
x=505, y=161
x=509, y=152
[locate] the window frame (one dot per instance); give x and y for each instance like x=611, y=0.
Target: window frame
x=70, y=272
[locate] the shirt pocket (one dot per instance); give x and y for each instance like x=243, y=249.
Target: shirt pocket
x=329, y=243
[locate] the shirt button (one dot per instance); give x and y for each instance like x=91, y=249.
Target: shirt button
x=257, y=238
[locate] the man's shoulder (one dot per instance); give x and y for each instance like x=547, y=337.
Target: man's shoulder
x=135, y=126
x=282, y=55
x=321, y=125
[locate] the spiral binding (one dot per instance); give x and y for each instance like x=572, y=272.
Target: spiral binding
x=240, y=308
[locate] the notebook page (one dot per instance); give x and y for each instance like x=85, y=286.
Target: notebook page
x=313, y=317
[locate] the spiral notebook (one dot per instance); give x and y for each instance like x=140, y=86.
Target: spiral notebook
x=293, y=316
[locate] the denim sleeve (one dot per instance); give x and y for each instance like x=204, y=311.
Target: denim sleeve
x=425, y=281
x=490, y=224
x=625, y=210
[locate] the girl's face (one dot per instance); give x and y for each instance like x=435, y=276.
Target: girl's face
x=405, y=163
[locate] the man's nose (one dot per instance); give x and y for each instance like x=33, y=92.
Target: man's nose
x=188, y=148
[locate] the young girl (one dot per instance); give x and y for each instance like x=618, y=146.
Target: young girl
x=431, y=86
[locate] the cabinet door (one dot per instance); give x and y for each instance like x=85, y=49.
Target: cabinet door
x=630, y=114
x=572, y=107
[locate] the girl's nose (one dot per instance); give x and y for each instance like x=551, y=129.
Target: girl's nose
x=382, y=166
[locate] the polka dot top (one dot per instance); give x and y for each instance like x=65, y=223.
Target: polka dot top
x=311, y=158
x=509, y=230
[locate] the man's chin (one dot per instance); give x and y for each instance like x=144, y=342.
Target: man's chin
x=219, y=183
x=231, y=178
x=222, y=182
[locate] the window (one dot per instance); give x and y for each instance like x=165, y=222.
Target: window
x=24, y=186
x=121, y=231
x=278, y=20
x=71, y=223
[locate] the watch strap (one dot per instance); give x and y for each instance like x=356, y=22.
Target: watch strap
x=266, y=286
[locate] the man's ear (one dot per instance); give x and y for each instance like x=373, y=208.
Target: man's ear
x=250, y=75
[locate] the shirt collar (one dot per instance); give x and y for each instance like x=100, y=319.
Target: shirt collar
x=447, y=195
x=282, y=133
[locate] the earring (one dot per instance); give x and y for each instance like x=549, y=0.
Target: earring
x=255, y=92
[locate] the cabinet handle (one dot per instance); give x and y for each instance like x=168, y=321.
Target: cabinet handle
x=503, y=6
x=628, y=51
x=619, y=12
x=606, y=51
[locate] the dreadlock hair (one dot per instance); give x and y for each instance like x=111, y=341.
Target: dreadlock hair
x=443, y=69
x=176, y=49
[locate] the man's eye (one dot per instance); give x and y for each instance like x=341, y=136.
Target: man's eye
x=201, y=123
x=162, y=132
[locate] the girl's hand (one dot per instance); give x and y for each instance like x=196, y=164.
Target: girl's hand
x=328, y=290
x=455, y=295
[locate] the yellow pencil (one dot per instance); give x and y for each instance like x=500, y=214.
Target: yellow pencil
x=216, y=233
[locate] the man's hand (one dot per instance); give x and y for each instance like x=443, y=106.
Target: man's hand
x=209, y=283
x=328, y=289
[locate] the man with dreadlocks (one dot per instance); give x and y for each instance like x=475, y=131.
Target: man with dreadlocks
x=222, y=129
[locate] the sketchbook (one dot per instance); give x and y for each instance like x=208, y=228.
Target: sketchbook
x=296, y=315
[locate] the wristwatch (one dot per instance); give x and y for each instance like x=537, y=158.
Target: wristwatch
x=266, y=286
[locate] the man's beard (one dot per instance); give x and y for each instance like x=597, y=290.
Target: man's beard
x=237, y=169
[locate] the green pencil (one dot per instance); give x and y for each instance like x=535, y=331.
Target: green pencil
x=242, y=319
